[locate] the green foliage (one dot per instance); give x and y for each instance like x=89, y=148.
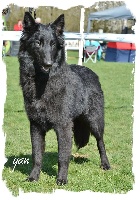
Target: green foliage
x=84, y=170
x=72, y=16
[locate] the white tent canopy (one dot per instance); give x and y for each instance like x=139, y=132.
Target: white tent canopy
x=120, y=12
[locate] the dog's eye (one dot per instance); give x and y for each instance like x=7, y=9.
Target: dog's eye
x=37, y=43
x=52, y=43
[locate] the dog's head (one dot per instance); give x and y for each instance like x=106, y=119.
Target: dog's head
x=43, y=42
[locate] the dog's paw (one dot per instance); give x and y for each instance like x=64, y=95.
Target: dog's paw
x=105, y=166
x=31, y=179
x=61, y=182
x=34, y=175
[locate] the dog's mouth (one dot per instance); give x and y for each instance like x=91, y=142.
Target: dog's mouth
x=46, y=68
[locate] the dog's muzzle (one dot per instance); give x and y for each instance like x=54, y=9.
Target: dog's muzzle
x=46, y=67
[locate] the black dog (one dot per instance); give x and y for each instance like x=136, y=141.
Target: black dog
x=67, y=98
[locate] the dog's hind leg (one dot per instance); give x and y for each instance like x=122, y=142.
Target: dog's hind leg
x=97, y=129
x=64, y=138
x=38, y=147
x=101, y=147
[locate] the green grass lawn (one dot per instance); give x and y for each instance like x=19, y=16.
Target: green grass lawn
x=84, y=171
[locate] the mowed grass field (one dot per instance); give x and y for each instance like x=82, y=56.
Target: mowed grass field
x=84, y=170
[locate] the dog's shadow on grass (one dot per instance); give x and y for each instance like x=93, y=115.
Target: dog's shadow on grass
x=23, y=163
x=79, y=159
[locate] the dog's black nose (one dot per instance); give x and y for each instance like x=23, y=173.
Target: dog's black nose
x=49, y=63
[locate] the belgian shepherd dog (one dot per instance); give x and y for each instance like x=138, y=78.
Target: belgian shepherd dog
x=58, y=96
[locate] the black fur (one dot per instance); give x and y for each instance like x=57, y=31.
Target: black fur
x=67, y=98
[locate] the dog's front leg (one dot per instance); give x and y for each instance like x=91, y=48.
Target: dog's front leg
x=38, y=147
x=64, y=137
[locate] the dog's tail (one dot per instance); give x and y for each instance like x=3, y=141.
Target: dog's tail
x=81, y=131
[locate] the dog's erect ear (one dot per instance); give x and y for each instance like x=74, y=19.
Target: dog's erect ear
x=28, y=22
x=58, y=24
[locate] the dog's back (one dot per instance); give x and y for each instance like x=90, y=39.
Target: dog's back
x=57, y=95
